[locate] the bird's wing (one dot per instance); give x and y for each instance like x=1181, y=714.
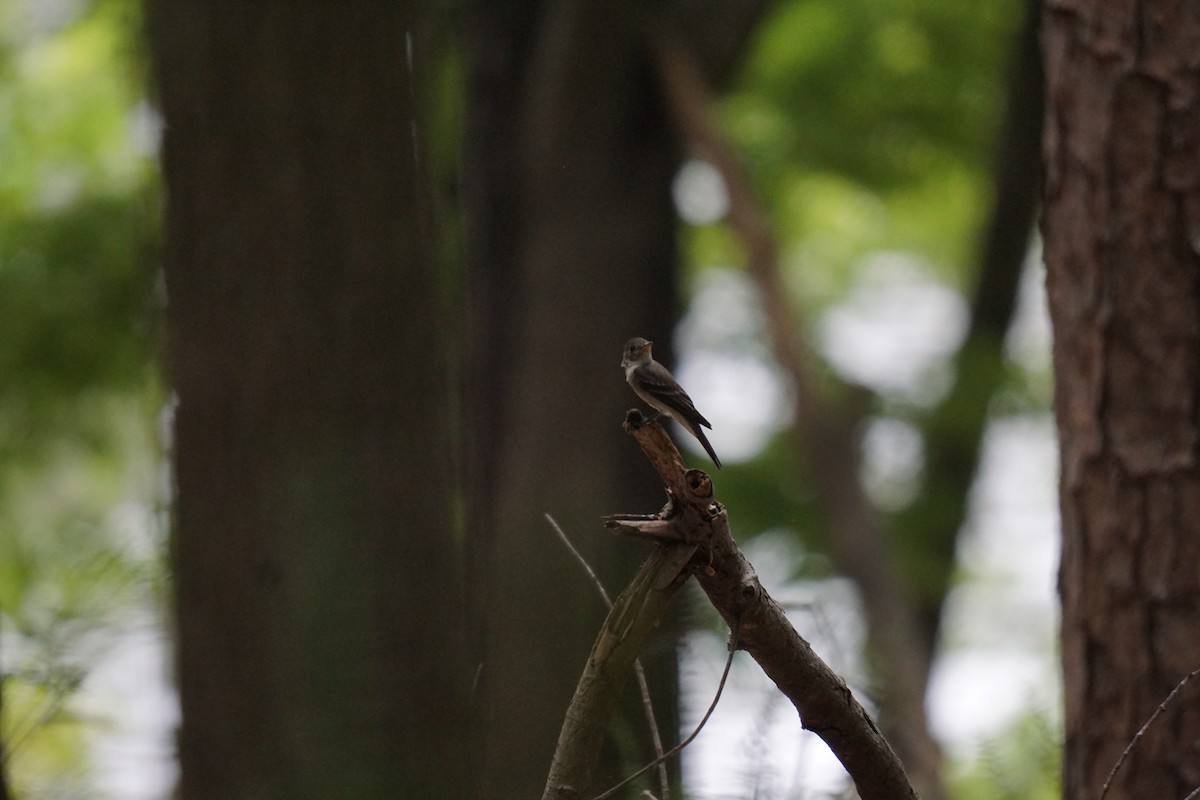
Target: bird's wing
x=656, y=380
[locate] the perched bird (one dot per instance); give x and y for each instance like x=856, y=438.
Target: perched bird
x=652, y=382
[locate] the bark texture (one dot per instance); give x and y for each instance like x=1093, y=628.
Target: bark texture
x=318, y=607
x=1122, y=222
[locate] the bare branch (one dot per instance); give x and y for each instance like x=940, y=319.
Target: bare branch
x=692, y=736
x=639, y=672
x=825, y=703
x=822, y=699
x=1142, y=731
x=658, y=530
x=591, y=573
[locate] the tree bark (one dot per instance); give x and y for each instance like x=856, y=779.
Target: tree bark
x=316, y=553
x=1122, y=211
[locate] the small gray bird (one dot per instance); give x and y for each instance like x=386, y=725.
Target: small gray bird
x=652, y=382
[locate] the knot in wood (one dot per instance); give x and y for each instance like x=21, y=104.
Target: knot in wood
x=698, y=484
x=633, y=420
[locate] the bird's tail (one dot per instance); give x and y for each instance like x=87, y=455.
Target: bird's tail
x=698, y=432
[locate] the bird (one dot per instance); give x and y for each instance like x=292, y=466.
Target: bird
x=653, y=383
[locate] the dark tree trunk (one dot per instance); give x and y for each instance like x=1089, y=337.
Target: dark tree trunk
x=1122, y=211
x=316, y=555
x=571, y=251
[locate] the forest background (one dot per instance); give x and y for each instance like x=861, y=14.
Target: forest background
x=902, y=464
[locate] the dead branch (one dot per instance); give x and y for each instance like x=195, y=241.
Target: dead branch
x=692, y=736
x=664, y=782
x=696, y=529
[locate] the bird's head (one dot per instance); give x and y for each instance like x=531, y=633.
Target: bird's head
x=637, y=352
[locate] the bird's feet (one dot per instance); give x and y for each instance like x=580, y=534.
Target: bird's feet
x=636, y=419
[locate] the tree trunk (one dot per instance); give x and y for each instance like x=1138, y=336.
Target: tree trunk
x=571, y=252
x=1122, y=211
x=318, y=594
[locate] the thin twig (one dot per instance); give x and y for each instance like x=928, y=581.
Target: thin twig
x=1194, y=794
x=1133, y=742
x=733, y=646
x=582, y=561
x=664, y=780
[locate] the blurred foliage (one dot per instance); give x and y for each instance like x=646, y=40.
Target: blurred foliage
x=1021, y=762
x=868, y=130
x=870, y=125
x=79, y=466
